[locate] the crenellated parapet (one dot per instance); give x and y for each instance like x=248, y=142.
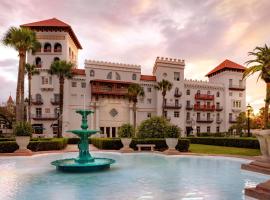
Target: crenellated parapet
x=111, y=64
x=168, y=62
x=200, y=84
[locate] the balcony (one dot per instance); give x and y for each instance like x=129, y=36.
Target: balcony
x=37, y=102
x=178, y=94
x=55, y=102
x=172, y=106
x=204, y=96
x=46, y=87
x=219, y=108
x=47, y=50
x=45, y=117
x=189, y=107
x=236, y=110
x=109, y=87
x=237, y=87
x=219, y=121
x=199, y=107
x=208, y=120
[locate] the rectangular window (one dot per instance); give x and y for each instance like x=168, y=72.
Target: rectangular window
x=230, y=116
x=47, y=110
x=149, y=115
x=188, y=92
x=44, y=80
x=208, y=116
x=188, y=104
x=149, y=101
x=176, y=114
x=218, y=116
x=165, y=114
x=176, y=102
x=217, y=130
x=198, y=129
x=188, y=115
x=74, y=84
x=198, y=116
x=230, y=82
x=83, y=84
x=38, y=112
x=50, y=80
x=149, y=89
x=208, y=129
x=177, y=76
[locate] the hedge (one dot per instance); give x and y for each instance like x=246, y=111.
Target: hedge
x=36, y=145
x=115, y=143
x=76, y=140
x=251, y=143
x=206, y=134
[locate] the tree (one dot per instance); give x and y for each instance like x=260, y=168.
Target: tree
x=63, y=70
x=261, y=64
x=241, y=124
x=164, y=86
x=135, y=91
x=30, y=70
x=22, y=40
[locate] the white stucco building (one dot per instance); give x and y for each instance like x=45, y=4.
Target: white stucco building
x=210, y=106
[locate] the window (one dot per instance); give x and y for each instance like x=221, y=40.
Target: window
x=240, y=83
x=188, y=92
x=44, y=80
x=38, y=112
x=188, y=115
x=176, y=91
x=198, y=116
x=230, y=82
x=38, y=62
x=217, y=129
x=47, y=110
x=109, y=75
x=149, y=101
x=117, y=76
x=218, y=105
x=176, y=114
x=83, y=84
x=69, y=52
x=165, y=114
x=149, y=89
x=208, y=129
x=176, y=102
x=38, y=98
x=56, y=97
x=57, y=47
x=92, y=73
x=47, y=47
x=56, y=59
x=149, y=115
x=230, y=116
x=208, y=116
x=198, y=129
x=188, y=104
x=74, y=84
x=218, y=116
x=218, y=94
x=177, y=76
x=134, y=77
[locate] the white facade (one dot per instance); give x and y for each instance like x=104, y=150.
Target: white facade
x=210, y=106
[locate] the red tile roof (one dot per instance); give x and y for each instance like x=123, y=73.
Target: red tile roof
x=54, y=23
x=148, y=78
x=226, y=64
x=79, y=72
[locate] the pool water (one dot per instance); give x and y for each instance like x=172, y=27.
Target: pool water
x=143, y=176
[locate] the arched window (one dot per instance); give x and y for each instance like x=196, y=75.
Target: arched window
x=39, y=48
x=47, y=47
x=92, y=73
x=57, y=47
x=117, y=76
x=38, y=62
x=109, y=75
x=38, y=98
x=134, y=77
x=56, y=59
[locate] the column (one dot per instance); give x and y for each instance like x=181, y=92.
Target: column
x=130, y=114
x=97, y=115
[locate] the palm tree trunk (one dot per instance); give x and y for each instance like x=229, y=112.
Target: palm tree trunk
x=18, y=95
x=22, y=67
x=163, y=105
x=266, y=109
x=134, y=116
x=29, y=96
x=61, y=90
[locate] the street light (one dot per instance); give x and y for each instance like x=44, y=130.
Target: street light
x=249, y=108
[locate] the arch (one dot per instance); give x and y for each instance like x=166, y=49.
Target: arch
x=38, y=62
x=109, y=75
x=57, y=47
x=56, y=59
x=134, y=77
x=92, y=73
x=47, y=47
x=117, y=76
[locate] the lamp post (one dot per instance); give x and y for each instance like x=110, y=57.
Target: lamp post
x=249, y=108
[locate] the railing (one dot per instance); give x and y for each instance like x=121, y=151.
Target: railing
x=178, y=94
x=47, y=50
x=219, y=121
x=204, y=107
x=108, y=90
x=236, y=87
x=208, y=120
x=37, y=101
x=39, y=65
x=219, y=108
x=55, y=102
x=236, y=109
x=173, y=106
x=189, y=107
x=46, y=87
x=44, y=117
x=204, y=96
x=58, y=50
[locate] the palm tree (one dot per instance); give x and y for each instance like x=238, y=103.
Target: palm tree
x=30, y=70
x=63, y=70
x=164, y=86
x=262, y=65
x=22, y=40
x=135, y=91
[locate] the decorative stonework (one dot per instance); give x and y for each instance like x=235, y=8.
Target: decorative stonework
x=113, y=112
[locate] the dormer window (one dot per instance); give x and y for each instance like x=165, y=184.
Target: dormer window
x=47, y=47
x=57, y=47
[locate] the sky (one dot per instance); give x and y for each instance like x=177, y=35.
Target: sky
x=202, y=32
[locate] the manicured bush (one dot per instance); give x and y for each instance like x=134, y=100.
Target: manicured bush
x=126, y=131
x=251, y=143
x=206, y=134
x=76, y=140
x=155, y=127
x=23, y=129
x=8, y=146
x=6, y=139
x=172, y=131
x=115, y=143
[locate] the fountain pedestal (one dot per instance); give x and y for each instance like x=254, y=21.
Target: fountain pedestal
x=84, y=162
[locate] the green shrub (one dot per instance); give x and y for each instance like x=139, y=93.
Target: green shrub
x=6, y=139
x=126, y=131
x=8, y=146
x=155, y=127
x=76, y=140
x=251, y=143
x=115, y=143
x=206, y=134
x=172, y=131
x=23, y=129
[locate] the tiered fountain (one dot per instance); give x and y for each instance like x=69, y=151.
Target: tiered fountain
x=85, y=162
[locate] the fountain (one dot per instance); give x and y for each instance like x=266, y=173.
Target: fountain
x=85, y=162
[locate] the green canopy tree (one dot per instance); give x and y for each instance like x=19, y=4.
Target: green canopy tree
x=63, y=70
x=135, y=91
x=261, y=63
x=164, y=86
x=30, y=70
x=22, y=40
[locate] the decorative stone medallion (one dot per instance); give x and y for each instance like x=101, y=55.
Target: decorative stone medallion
x=113, y=112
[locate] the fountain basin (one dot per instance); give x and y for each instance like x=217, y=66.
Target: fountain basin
x=72, y=165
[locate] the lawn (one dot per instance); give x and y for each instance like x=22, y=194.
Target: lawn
x=210, y=149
